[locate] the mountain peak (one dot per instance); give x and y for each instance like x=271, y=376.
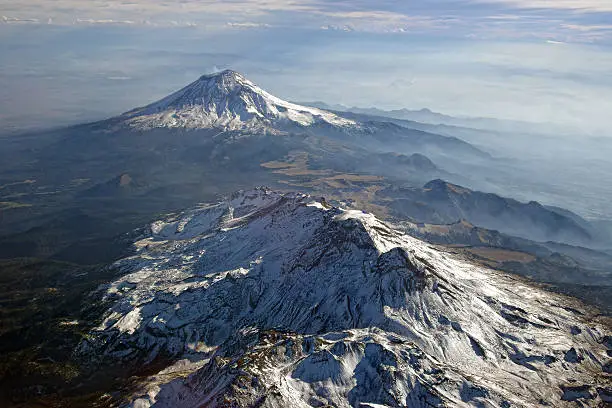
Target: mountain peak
x=340, y=303
x=226, y=73
x=437, y=184
x=226, y=79
x=226, y=100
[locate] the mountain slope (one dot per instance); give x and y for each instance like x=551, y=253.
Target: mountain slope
x=277, y=300
x=441, y=202
x=580, y=272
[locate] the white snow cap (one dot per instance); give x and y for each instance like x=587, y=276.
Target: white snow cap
x=229, y=101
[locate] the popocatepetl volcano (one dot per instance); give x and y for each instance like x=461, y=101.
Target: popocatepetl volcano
x=226, y=100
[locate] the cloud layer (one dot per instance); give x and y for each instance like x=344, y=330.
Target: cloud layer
x=589, y=6
x=549, y=20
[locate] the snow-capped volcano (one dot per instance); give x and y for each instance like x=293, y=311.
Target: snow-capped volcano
x=281, y=300
x=229, y=101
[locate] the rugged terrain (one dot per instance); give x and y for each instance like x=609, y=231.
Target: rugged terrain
x=274, y=299
x=441, y=202
x=69, y=197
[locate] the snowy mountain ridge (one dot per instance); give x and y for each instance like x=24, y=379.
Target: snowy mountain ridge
x=228, y=101
x=279, y=299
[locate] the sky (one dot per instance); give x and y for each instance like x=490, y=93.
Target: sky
x=545, y=61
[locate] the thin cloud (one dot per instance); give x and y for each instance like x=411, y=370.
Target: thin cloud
x=107, y=21
x=332, y=27
x=587, y=27
x=597, y=6
x=571, y=20
x=9, y=20
x=505, y=17
x=106, y=9
x=247, y=25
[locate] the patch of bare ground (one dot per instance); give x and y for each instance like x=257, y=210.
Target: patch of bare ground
x=502, y=255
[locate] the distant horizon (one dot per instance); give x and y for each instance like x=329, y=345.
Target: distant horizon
x=534, y=61
x=20, y=127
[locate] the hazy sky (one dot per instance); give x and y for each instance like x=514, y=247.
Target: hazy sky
x=65, y=61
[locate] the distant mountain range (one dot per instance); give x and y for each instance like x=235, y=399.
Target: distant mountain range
x=441, y=202
x=427, y=116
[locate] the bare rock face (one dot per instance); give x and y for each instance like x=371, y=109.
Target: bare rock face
x=278, y=300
